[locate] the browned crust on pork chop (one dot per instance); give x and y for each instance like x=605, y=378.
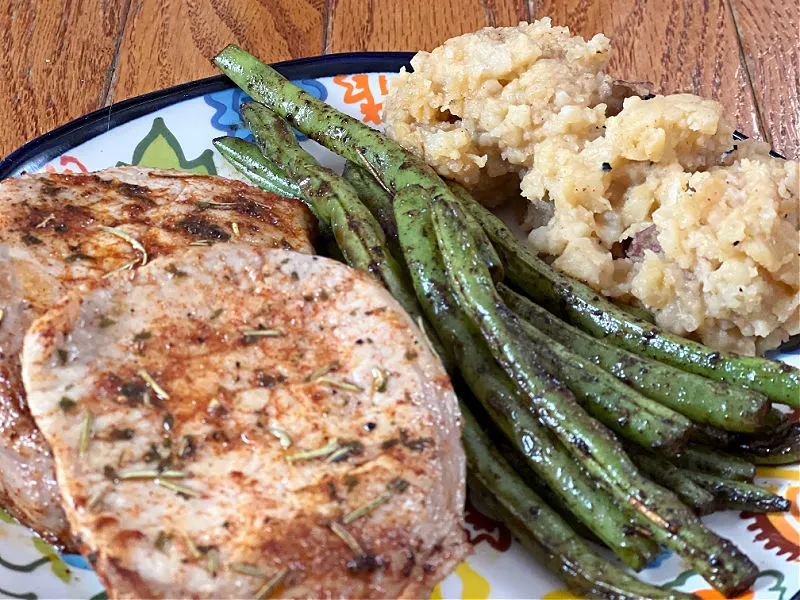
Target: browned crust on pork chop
x=232, y=377
x=51, y=240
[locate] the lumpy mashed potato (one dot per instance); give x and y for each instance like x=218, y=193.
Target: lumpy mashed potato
x=655, y=204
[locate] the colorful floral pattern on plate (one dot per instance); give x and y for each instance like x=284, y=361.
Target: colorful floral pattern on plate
x=179, y=137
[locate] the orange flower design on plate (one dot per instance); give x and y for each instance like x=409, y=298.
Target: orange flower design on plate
x=779, y=530
x=66, y=164
x=358, y=91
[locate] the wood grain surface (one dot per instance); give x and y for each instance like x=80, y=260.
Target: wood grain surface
x=770, y=42
x=64, y=58
x=361, y=25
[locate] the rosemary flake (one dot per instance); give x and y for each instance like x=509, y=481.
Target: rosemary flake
x=31, y=240
x=190, y=545
x=43, y=224
x=262, y=333
x=347, y=538
x=207, y=205
x=67, y=404
x=178, y=489
x=86, y=433
x=131, y=240
x=366, y=508
x=111, y=474
x=175, y=271
x=162, y=540
x=246, y=569
x=63, y=356
x=417, y=445
x=105, y=322
x=273, y=583
x=120, y=435
x=213, y=562
x=124, y=267
x=340, y=384
x=326, y=450
x=346, y=451
x=153, y=385
x=77, y=256
x=186, y=447
x=201, y=243
x=152, y=474
x=142, y=336
x=398, y=484
x=286, y=441
x=96, y=498
x=215, y=315
x=380, y=379
x=324, y=370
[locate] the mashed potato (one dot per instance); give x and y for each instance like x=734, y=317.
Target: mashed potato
x=476, y=107
x=654, y=205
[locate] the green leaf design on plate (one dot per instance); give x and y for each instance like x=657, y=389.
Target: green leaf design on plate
x=100, y=596
x=680, y=579
x=28, y=596
x=28, y=568
x=5, y=517
x=161, y=149
x=779, y=578
x=57, y=566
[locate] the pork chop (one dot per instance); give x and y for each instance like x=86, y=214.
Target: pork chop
x=59, y=231
x=265, y=420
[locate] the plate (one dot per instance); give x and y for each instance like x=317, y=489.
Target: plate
x=173, y=128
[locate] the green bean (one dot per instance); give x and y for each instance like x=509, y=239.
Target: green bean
x=583, y=307
x=607, y=399
x=738, y=495
x=593, y=507
x=338, y=132
x=708, y=460
x=774, y=421
x=702, y=400
x=781, y=449
x=374, y=197
x=672, y=478
x=379, y=202
x=519, y=463
x=540, y=529
x=722, y=564
x=711, y=436
x=247, y=158
x=357, y=232
x=482, y=243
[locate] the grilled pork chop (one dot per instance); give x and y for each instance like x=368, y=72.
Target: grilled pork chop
x=59, y=231
x=236, y=422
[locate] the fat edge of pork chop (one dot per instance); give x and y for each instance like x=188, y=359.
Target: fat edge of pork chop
x=269, y=416
x=52, y=238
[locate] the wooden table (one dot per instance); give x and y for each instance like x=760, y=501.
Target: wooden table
x=62, y=59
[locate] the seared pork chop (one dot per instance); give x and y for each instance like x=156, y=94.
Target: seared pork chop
x=58, y=231
x=265, y=421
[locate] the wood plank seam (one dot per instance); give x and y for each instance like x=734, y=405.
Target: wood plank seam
x=107, y=94
x=766, y=134
x=327, y=26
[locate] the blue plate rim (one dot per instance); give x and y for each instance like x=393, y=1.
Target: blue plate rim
x=39, y=151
